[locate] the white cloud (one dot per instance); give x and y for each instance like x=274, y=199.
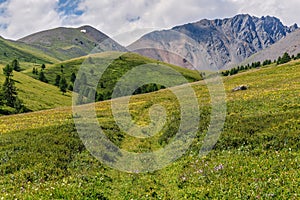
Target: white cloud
x=115, y=17
x=112, y=17
x=28, y=16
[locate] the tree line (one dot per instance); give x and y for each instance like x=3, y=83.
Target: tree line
x=60, y=80
x=285, y=58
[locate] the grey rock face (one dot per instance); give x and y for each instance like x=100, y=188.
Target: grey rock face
x=289, y=44
x=214, y=44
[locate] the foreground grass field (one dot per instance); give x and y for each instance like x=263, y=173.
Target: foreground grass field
x=256, y=157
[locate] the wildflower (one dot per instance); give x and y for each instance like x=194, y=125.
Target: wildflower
x=219, y=167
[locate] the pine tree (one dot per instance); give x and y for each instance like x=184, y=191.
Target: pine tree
x=8, y=71
x=279, y=60
x=73, y=77
x=42, y=77
x=62, y=69
x=285, y=58
x=57, y=80
x=43, y=66
x=18, y=105
x=70, y=87
x=9, y=91
x=16, y=65
x=63, y=85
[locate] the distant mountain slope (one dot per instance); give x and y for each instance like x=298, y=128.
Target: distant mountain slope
x=66, y=43
x=290, y=44
x=10, y=50
x=214, y=43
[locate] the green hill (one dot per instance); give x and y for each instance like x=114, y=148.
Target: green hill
x=123, y=63
x=24, y=53
x=256, y=157
x=66, y=43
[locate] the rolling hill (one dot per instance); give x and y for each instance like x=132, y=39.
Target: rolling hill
x=257, y=155
x=120, y=64
x=10, y=50
x=67, y=43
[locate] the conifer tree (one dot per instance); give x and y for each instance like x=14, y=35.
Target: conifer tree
x=63, y=85
x=16, y=65
x=9, y=91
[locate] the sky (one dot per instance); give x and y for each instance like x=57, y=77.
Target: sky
x=125, y=20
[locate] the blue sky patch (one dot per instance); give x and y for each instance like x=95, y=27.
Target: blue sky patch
x=3, y=26
x=68, y=7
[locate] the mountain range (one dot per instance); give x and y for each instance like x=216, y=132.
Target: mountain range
x=214, y=43
x=206, y=44
x=289, y=44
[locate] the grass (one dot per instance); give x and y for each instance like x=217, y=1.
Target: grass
x=37, y=95
x=256, y=157
x=116, y=69
x=24, y=53
x=63, y=43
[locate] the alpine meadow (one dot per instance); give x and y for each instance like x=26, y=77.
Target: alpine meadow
x=47, y=76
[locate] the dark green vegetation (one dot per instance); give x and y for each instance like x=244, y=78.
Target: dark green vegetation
x=256, y=157
x=35, y=94
x=59, y=80
x=115, y=70
x=281, y=60
x=8, y=92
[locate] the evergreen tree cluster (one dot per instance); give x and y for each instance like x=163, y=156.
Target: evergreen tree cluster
x=41, y=74
x=285, y=58
x=241, y=68
x=62, y=83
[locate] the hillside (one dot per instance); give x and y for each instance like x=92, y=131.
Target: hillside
x=15, y=50
x=66, y=43
x=38, y=95
x=257, y=155
x=120, y=64
x=219, y=43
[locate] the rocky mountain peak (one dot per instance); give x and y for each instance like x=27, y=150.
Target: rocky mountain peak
x=221, y=42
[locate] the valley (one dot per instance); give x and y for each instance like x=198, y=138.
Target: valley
x=256, y=156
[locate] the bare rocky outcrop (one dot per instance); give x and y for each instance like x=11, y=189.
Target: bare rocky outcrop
x=213, y=44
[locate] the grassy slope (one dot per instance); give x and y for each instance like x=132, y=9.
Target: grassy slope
x=66, y=43
x=64, y=49
x=24, y=53
x=113, y=72
x=129, y=59
x=259, y=150
x=37, y=95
